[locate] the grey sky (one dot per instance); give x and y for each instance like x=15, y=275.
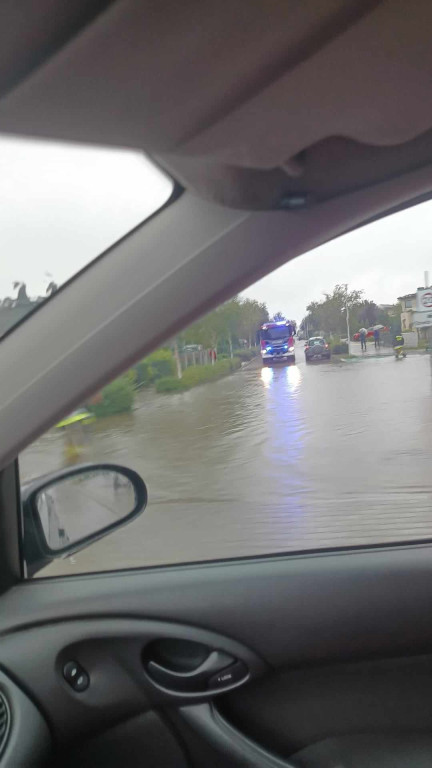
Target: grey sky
x=60, y=206
x=387, y=259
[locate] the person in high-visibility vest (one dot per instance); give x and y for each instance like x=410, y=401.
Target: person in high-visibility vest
x=74, y=431
x=398, y=345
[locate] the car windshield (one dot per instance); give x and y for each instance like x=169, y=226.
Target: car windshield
x=312, y=342
x=61, y=206
x=272, y=334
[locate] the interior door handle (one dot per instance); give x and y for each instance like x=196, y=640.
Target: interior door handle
x=198, y=679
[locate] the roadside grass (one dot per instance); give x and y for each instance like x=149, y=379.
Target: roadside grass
x=199, y=374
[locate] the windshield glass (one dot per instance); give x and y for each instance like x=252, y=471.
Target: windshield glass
x=61, y=206
x=272, y=334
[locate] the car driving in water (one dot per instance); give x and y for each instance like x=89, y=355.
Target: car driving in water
x=317, y=349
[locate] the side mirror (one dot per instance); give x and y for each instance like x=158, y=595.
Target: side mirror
x=67, y=510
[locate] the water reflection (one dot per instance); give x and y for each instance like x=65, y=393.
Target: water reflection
x=292, y=373
x=294, y=377
x=266, y=375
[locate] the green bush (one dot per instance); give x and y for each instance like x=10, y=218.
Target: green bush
x=162, y=363
x=132, y=376
x=117, y=397
x=170, y=384
x=246, y=354
x=198, y=374
x=340, y=349
x=156, y=366
x=145, y=373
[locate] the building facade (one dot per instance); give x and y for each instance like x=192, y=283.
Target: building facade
x=408, y=305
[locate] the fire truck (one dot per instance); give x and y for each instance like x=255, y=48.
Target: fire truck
x=277, y=341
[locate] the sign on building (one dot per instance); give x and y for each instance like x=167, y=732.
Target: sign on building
x=424, y=299
x=423, y=314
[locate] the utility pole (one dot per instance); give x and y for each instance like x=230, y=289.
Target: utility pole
x=428, y=330
x=347, y=316
x=177, y=359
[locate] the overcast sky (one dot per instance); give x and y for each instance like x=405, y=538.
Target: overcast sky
x=387, y=259
x=60, y=206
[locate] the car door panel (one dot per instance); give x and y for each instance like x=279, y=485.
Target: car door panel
x=336, y=644
x=291, y=709
x=112, y=652
x=323, y=606
x=146, y=740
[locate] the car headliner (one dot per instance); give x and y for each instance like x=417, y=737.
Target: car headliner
x=286, y=123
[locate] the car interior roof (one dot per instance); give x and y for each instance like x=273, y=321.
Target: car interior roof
x=255, y=105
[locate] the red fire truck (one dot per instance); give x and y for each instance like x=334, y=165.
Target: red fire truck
x=277, y=341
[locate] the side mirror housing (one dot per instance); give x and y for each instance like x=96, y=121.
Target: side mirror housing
x=69, y=509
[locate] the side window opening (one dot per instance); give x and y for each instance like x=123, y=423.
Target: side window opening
x=294, y=417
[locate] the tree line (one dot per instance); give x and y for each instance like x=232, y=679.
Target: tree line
x=223, y=328
x=328, y=316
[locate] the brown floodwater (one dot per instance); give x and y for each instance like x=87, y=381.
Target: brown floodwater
x=267, y=460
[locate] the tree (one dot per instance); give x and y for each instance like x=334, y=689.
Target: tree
x=253, y=314
x=278, y=316
x=368, y=314
x=328, y=316
x=229, y=321
x=204, y=331
x=22, y=297
x=310, y=324
x=391, y=317
x=237, y=318
x=51, y=288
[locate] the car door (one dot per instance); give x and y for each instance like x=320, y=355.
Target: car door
x=245, y=656
x=272, y=661
x=261, y=658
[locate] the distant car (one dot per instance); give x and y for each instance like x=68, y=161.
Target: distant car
x=317, y=348
x=369, y=335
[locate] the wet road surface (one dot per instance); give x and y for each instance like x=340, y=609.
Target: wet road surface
x=268, y=460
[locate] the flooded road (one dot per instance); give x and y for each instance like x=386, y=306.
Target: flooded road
x=268, y=460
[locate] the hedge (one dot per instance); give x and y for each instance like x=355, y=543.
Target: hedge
x=246, y=354
x=340, y=349
x=145, y=373
x=162, y=363
x=170, y=384
x=117, y=397
x=156, y=366
x=198, y=374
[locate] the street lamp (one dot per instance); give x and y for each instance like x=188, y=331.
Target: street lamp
x=346, y=310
